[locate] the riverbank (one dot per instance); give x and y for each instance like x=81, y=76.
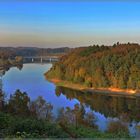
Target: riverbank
x=5, y=64
x=113, y=91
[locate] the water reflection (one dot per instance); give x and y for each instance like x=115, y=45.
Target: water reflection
x=3, y=70
x=30, y=79
x=127, y=108
x=20, y=66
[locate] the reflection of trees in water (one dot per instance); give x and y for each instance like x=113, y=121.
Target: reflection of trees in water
x=110, y=106
x=2, y=72
x=20, y=66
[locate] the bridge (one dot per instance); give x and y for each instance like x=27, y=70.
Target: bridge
x=41, y=59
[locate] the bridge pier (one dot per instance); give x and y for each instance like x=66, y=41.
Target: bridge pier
x=41, y=60
x=50, y=60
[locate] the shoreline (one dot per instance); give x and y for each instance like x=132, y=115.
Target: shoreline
x=109, y=91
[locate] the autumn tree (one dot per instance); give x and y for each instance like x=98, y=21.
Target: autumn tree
x=41, y=108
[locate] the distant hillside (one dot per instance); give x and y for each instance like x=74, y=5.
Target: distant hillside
x=116, y=66
x=32, y=51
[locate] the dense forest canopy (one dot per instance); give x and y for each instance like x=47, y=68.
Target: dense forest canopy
x=116, y=66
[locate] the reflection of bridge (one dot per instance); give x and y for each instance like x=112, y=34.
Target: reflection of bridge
x=40, y=59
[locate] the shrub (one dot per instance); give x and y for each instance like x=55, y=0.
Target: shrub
x=117, y=127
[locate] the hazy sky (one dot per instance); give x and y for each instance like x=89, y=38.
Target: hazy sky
x=60, y=24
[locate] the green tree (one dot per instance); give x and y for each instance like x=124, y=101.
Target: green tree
x=18, y=104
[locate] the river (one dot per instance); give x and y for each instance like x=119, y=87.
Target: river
x=31, y=79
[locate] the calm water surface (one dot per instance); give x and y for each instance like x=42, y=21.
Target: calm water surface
x=30, y=79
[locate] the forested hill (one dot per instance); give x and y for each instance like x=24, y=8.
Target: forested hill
x=32, y=51
x=10, y=56
x=116, y=66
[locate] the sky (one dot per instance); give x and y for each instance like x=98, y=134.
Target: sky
x=68, y=24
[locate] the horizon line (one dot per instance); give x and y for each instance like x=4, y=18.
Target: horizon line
x=120, y=43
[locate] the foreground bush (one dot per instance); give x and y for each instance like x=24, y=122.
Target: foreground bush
x=84, y=132
x=22, y=118
x=18, y=127
x=118, y=128
x=13, y=126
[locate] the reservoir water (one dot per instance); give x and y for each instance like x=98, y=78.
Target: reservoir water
x=31, y=79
